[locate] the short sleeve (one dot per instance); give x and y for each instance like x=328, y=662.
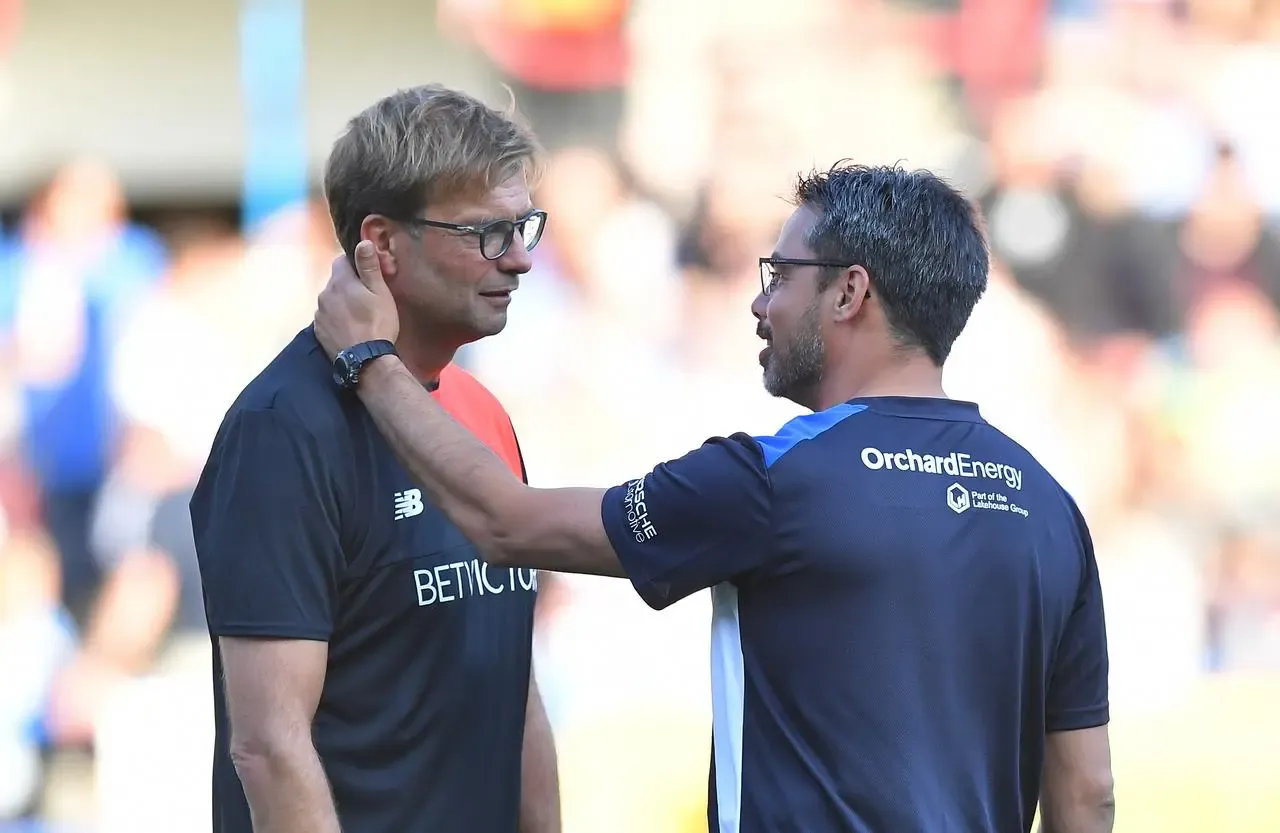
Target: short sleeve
x=694, y=522
x=1078, y=691
x=266, y=525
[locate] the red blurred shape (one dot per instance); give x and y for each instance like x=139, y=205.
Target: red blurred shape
x=553, y=45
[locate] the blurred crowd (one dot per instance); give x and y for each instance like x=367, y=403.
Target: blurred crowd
x=1126, y=154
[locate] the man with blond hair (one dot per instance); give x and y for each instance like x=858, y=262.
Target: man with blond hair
x=371, y=672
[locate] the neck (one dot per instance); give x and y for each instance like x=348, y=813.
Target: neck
x=424, y=358
x=911, y=375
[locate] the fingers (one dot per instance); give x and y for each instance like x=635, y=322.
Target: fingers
x=368, y=268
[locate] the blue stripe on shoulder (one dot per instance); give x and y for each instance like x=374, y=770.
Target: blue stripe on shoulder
x=804, y=428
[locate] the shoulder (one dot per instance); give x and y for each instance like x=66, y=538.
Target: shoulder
x=803, y=431
x=295, y=392
x=1064, y=521
x=265, y=457
x=1036, y=474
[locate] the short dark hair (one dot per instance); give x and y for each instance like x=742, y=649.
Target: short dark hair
x=919, y=239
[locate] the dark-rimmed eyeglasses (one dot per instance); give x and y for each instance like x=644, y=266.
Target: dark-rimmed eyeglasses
x=496, y=237
x=769, y=276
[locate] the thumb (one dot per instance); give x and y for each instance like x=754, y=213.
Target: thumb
x=368, y=267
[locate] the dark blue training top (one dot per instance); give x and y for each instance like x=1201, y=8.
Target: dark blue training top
x=905, y=603
x=307, y=527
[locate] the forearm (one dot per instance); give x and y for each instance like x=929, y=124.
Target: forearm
x=539, y=781
x=507, y=521
x=464, y=478
x=287, y=791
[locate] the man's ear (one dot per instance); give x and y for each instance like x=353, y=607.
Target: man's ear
x=852, y=289
x=380, y=231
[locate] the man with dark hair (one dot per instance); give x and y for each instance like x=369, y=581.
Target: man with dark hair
x=913, y=232
x=908, y=631
x=371, y=673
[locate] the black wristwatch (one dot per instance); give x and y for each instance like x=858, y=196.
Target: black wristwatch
x=346, y=367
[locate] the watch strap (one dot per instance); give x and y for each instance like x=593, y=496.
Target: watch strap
x=367, y=351
x=355, y=357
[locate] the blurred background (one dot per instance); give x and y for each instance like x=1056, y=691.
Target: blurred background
x=163, y=238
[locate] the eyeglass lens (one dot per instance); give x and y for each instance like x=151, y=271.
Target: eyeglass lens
x=497, y=237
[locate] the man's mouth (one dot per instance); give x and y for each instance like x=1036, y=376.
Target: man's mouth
x=504, y=294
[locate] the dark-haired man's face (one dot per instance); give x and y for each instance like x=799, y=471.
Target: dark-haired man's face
x=794, y=362
x=789, y=317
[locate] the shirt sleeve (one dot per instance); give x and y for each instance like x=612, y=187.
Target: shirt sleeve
x=266, y=524
x=1078, y=690
x=693, y=522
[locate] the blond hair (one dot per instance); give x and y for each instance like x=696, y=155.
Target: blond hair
x=422, y=145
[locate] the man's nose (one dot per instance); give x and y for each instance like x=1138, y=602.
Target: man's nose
x=516, y=259
x=759, y=306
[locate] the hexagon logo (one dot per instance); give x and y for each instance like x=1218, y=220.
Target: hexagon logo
x=958, y=498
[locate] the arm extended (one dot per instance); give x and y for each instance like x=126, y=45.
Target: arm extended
x=509, y=522
x=689, y=524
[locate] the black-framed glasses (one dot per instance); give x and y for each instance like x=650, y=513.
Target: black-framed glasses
x=496, y=237
x=769, y=276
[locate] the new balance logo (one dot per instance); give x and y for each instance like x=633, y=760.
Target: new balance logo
x=408, y=503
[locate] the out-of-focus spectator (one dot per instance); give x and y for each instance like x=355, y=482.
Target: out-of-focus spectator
x=565, y=60
x=1224, y=237
x=35, y=639
x=1233, y=402
x=178, y=336
x=1012, y=360
x=1243, y=616
x=181, y=358
x=76, y=269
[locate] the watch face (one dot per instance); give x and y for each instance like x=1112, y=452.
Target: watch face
x=342, y=369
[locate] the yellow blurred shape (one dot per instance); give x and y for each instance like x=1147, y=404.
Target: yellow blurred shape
x=1210, y=764
x=635, y=773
